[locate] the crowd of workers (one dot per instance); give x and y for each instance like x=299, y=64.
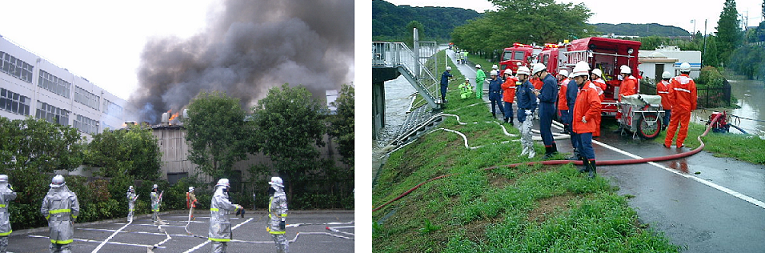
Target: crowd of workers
x=574, y=99
x=60, y=208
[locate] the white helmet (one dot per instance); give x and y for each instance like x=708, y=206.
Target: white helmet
x=57, y=181
x=581, y=69
x=685, y=67
x=508, y=72
x=223, y=182
x=448, y=68
x=666, y=75
x=191, y=188
x=625, y=70
x=597, y=72
x=130, y=189
x=478, y=66
x=494, y=66
x=523, y=70
x=155, y=186
x=493, y=73
x=276, y=181
x=538, y=67
x=563, y=72
x=3, y=178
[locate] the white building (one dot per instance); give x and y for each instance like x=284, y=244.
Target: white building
x=33, y=86
x=673, y=52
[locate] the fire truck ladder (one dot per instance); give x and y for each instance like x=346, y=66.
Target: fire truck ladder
x=409, y=64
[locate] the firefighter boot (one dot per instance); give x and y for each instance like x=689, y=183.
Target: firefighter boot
x=585, y=166
x=525, y=151
x=592, y=169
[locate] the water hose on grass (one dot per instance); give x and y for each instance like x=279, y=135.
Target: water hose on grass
x=560, y=162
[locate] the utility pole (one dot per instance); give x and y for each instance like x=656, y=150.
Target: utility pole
x=704, y=51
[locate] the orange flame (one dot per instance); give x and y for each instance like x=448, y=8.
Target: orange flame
x=172, y=117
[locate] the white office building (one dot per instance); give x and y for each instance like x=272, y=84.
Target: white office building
x=33, y=86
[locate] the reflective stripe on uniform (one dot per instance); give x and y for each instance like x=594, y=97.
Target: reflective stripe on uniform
x=681, y=89
x=214, y=209
x=61, y=242
x=55, y=211
x=284, y=215
x=2, y=205
x=219, y=240
x=663, y=92
x=6, y=233
x=277, y=232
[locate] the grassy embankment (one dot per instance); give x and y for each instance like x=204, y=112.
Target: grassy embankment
x=523, y=209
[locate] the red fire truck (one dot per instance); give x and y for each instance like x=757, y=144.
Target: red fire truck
x=519, y=54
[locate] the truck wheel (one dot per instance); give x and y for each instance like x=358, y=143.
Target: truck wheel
x=646, y=130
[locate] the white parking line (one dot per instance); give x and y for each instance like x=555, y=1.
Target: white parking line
x=94, y=241
x=208, y=241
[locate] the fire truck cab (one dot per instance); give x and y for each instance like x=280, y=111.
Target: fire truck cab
x=518, y=55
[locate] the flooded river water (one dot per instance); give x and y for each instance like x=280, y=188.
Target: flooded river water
x=751, y=100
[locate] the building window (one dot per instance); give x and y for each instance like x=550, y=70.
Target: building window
x=15, y=67
x=85, y=124
x=54, y=84
x=13, y=102
x=112, y=109
x=52, y=114
x=86, y=98
x=173, y=178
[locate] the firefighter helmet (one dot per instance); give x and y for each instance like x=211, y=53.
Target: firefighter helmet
x=666, y=75
x=494, y=66
x=223, y=182
x=508, y=72
x=57, y=181
x=625, y=70
x=448, y=68
x=276, y=181
x=523, y=70
x=581, y=69
x=685, y=67
x=563, y=72
x=478, y=66
x=597, y=72
x=538, y=67
x=493, y=73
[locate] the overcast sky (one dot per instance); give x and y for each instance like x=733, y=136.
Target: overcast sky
x=99, y=40
x=666, y=12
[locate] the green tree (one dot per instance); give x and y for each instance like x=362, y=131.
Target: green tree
x=289, y=122
x=711, y=56
x=342, y=124
x=133, y=152
x=216, y=133
x=409, y=40
x=728, y=31
x=531, y=21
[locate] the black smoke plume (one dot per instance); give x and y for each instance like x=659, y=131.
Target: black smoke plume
x=248, y=47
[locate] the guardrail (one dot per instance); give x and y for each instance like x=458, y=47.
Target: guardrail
x=398, y=55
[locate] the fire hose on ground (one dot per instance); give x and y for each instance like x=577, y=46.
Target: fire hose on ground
x=561, y=162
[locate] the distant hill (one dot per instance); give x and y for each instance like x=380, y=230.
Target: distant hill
x=389, y=20
x=642, y=30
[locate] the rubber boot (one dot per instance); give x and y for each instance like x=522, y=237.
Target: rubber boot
x=525, y=151
x=532, y=153
x=585, y=166
x=592, y=169
x=550, y=152
x=575, y=156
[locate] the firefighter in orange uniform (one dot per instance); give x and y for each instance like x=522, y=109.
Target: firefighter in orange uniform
x=586, y=109
x=562, y=103
x=682, y=97
x=600, y=85
x=629, y=84
x=508, y=95
x=662, y=89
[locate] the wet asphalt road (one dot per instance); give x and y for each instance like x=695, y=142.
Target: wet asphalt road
x=670, y=199
x=251, y=234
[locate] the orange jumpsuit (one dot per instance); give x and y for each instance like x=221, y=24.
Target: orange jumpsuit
x=537, y=83
x=662, y=89
x=562, y=103
x=628, y=87
x=587, y=105
x=682, y=96
x=600, y=86
x=508, y=88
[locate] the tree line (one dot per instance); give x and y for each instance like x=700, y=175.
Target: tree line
x=389, y=22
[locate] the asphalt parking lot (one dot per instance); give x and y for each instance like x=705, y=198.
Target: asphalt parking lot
x=308, y=231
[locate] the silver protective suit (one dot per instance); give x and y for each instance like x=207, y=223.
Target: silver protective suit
x=526, y=140
x=6, y=196
x=277, y=211
x=155, y=206
x=220, y=225
x=131, y=197
x=60, y=207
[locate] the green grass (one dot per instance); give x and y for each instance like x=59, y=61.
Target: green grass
x=746, y=148
x=522, y=209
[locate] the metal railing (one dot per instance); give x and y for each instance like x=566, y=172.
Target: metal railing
x=398, y=55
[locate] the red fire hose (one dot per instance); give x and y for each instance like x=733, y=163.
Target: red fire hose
x=559, y=162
